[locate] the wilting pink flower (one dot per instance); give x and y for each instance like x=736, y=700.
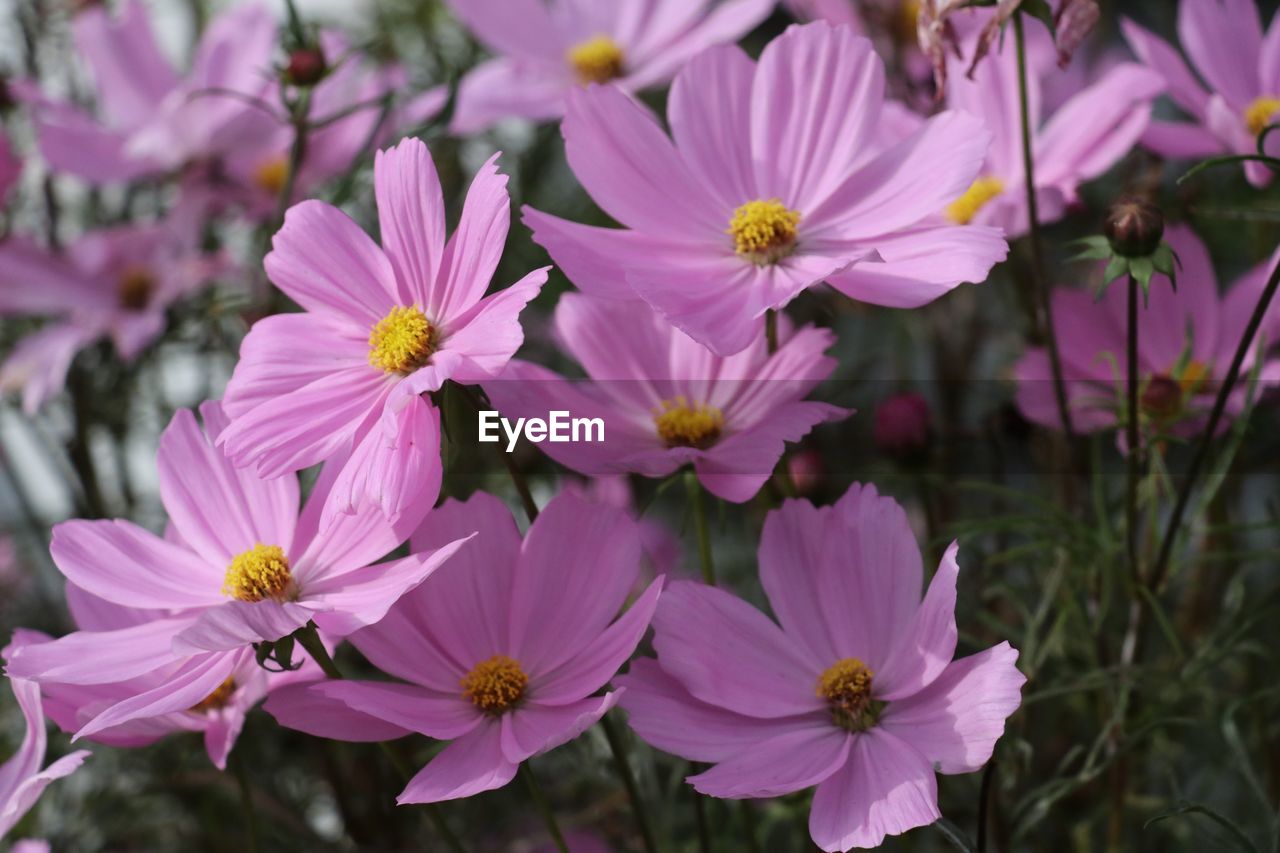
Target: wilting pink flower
x=778, y=179
x=243, y=566
x=501, y=652
x=1084, y=137
x=546, y=50
x=113, y=283
x=21, y=779
x=1186, y=340
x=666, y=401
x=856, y=692
x=382, y=326
x=1232, y=94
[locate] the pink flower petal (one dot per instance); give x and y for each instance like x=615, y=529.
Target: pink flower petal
x=928, y=644
x=489, y=333
x=411, y=215
x=471, y=764
x=783, y=764
x=473, y=252
x=304, y=708
x=1223, y=38
x=436, y=715
x=237, y=624
x=535, y=728
x=98, y=657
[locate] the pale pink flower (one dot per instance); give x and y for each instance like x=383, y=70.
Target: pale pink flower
x=853, y=690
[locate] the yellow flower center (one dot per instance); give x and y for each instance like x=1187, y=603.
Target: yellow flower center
x=260, y=573
x=683, y=425
x=1192, y=376
x=495, y=685
x=135, y=288
x=220, y=696
x=846, y=685
x=962, y=210
x=764, y=232
x=401, y=342
x=907, y=21
x=596, y=60
x=1259, y=114
x=271, y=175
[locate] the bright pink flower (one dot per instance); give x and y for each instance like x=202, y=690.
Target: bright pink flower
x=21, y=779
x=547, y=50
x=856, y=692
x=1232, y=94
x=1085, y=136
x=382, y=326
x=667, y=401
x=114, y=283
x=778, y=179
x=501, y=652
x=242, y=566
x=1186, y=340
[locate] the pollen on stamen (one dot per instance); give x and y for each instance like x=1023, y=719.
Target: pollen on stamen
x=599, y=59
x=980, y=192
x=401, y=342
x=260, y=573
x=684, y=424
x=135, y=288
x=219, y=698
x=271, y=175
x=495, y=685
x=1258, y=115
x=764, y=231
x=846, y=685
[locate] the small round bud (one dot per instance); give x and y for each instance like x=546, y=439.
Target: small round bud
x=903, y=425
x=805, y=468
x=306, y=66
x=1134, y=227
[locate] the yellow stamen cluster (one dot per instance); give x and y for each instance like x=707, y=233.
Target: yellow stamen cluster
x=764, y=231
x=271, y=175
x=682, y=424
x=220, y=696
x=401, y=342
x=964, y=209
x=495, y=685
x=260, y=573
x=135, y=288
x=1259, y=113
x=846, y=685
x=907, y=21
x=596, y=60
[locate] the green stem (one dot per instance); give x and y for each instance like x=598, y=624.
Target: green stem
x=1131, y=431
x=616, y=745
x=246, y=802
x=771, y=330
x=700, y=525
x=548, y=816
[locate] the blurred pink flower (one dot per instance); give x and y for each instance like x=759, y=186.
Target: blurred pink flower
x=545, y=51
x=666, y=401
x=502, y=650
x=1232, y=94
x=856, y=692
x=661, y=546
x=778, y=179
x=903, y=424
x=382, y=326
x=21, y=779
x=242, y=566
x=115, y=283
x=1186, y=340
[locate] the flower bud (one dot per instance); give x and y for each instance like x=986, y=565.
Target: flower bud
x=805, y=468
x=1162, y=398
x=1134, y=227
x=902, y=425
x=306, y=66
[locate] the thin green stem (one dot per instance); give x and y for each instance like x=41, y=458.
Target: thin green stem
x=619, y=749
x=544, y=808
x=246, y=801
x=694, y=489
x=1134, y=453
x=771, y=330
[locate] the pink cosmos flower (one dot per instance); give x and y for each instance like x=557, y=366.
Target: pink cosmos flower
x=667, y=401
x=1232, y=94
x=778, y=179
x=21, y=779
x=500, y=653
x=115, y=283
x=242, y=566
x=547, y=50
x=1186, y=341
x=382, y=326
x=854, y=690
x=1085, y=136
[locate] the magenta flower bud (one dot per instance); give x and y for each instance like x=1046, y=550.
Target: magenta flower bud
x=1134, y=227
x=805, y=468
x=306, y=66
x=903, y=424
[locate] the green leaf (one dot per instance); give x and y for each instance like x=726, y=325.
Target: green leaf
x=1117, y=267
x=1091, y=249
x=1142, y=269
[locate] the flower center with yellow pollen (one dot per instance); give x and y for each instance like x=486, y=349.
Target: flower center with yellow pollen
x=135, y=288
x=906, y=22
x=964, y=209
x=596, y=60
x=1258, y=115
x=681, y=424
x=271, y=175
x=219, y=698
x=764, y=232
x=260, y=573
x=495, y=685
x=846, y=685
x=401, y=342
